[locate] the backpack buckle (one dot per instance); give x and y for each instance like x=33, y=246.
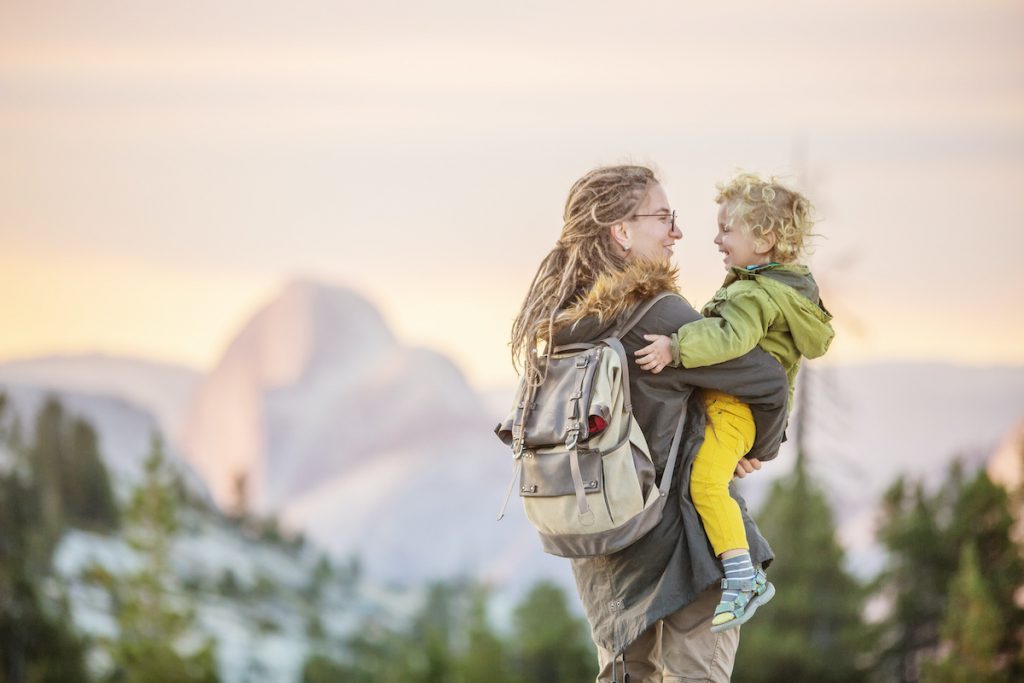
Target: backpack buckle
x=572, y=436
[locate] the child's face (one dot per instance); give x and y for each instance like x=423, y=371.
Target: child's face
x=737, y=243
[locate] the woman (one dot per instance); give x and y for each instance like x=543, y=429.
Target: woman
x=651, y=603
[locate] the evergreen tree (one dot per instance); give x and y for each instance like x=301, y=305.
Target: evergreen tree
x=422, y=652
x=983, y=516
x=152, y=613
x=87, y=494
x=972, y=631
x=36, y=644
x=47, y=458
x=432, y=640
x=486, y=658
x=373, y=653
x=322, y=669
x=68, y=475
x=925, y=534
x=919, y=567
x=812, y=630
x=550, y=644
x=450, y=640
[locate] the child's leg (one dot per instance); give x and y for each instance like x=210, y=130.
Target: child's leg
x=727, y=438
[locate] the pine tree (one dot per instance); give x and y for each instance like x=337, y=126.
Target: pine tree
x=36, y=643
x=88, y=495
x=550, y=644
x=812, y=630
x=322, y=669
x=423, y=652
x=925, y=534
x=153, y=616
x=982, y=515
x=68, y=475
x=972, y=631
x=918, y=569
x=46, y=458
x=486, y=657
x=434, y=629
x=450, y=640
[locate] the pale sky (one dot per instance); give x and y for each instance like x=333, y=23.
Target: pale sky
x=167, y=166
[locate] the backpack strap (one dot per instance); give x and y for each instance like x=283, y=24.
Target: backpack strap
x=634, y=318
x=638, y=313
x=579, y=346
x=614, y=341
x=615, y=345
x=673, y=454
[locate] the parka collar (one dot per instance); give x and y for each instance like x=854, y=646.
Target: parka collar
x=617, y=292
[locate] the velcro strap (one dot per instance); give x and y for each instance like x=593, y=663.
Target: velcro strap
x=738, y=584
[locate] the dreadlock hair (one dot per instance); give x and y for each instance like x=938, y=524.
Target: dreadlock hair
x=584, y=251
x=764, y=207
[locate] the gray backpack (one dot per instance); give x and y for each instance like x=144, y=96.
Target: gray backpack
x=585, y=471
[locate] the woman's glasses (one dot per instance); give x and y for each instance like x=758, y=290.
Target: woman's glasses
x=663, y=216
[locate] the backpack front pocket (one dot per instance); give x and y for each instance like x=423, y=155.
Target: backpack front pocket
x=548, y=474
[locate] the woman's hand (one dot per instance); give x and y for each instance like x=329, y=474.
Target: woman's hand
x=746, y=466
x=656, y=355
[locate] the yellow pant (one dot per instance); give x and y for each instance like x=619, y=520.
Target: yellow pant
x=728, y=436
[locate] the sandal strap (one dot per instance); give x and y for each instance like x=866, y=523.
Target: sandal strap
x=747, y=585
x=754, y=585
x=736, y=606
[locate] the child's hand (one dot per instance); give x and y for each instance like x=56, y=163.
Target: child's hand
x=655, y=356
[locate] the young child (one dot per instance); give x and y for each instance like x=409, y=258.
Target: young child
x=767, y=300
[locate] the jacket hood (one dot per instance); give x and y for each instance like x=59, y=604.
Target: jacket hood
x=615, y=293
x=794, y=291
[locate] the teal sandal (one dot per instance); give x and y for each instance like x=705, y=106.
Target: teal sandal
x=732, y=613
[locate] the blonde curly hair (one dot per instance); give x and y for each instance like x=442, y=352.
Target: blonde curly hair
x=766, y=207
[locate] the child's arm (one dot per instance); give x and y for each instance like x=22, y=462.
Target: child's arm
x=742, y=320
x=657, y=355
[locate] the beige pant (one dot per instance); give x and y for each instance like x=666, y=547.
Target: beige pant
x=678, y=649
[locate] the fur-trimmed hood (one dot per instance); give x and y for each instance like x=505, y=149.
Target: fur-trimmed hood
x=615, y=293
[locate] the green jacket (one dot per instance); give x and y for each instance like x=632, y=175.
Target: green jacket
x=775, y=307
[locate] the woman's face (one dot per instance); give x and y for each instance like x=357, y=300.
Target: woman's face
x=651, y=233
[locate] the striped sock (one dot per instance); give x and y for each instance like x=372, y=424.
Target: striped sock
x=738, y=567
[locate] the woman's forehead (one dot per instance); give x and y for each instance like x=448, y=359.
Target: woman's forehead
x=656, y=200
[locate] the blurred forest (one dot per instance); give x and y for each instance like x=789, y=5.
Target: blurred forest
x=946, y=605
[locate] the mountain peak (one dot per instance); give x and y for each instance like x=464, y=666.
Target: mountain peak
x=306, y=325
x=314, y=360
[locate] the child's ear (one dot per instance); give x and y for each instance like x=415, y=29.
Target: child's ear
x=764, y=244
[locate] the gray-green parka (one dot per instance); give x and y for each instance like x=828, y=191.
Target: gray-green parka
x=625, y=593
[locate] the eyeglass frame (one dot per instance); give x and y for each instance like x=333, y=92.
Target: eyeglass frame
x=660, y=215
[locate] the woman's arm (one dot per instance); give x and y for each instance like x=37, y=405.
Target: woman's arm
x=755, y=378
